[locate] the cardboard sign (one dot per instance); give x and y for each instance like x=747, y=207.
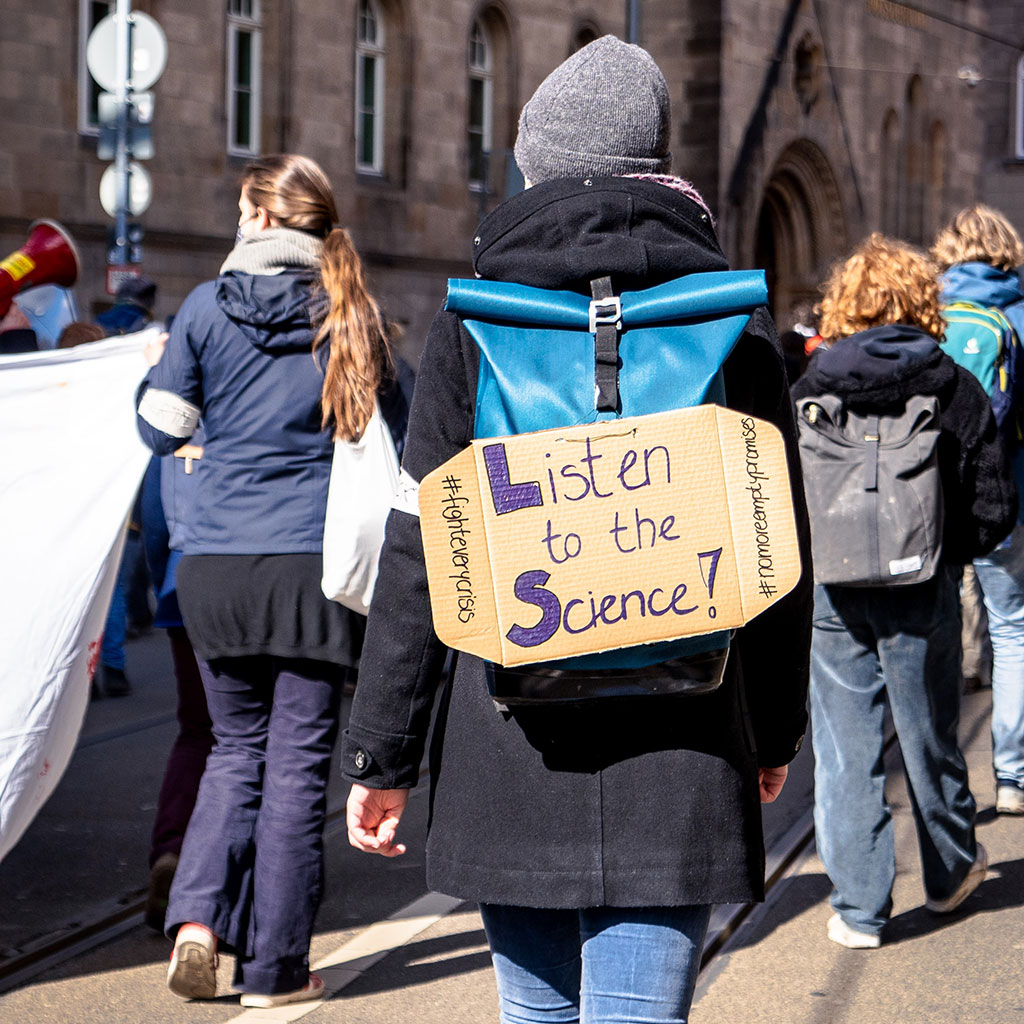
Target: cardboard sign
x=622, y=532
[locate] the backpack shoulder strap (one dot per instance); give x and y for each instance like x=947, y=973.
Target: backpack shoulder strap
x=605, y=324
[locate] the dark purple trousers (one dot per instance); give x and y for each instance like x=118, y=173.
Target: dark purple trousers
x=252, y=864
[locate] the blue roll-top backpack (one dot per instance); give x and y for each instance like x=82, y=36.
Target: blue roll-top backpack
x=552, y=359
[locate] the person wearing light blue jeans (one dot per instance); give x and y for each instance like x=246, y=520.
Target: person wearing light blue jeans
x=595, y=964
x=594, y=832
x=889, y=641
x=1001, y=577
x=979, y=251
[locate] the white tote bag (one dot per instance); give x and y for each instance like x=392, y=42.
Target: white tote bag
x=364, y=480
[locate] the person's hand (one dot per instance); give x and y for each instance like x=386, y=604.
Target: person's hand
x=373, y=816
x=770, y=781
x=154, y=349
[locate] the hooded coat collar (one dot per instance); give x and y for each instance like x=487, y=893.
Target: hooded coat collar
x=881, y=366
x=271, y=311
x=981, y=283
x=266, y=284
x=561, y=234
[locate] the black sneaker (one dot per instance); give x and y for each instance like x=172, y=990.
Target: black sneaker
x=113, y=682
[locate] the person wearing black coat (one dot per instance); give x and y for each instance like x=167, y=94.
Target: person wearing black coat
x=594, y=836
x=898, y=645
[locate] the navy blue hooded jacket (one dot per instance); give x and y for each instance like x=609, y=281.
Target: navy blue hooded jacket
x=239, y=352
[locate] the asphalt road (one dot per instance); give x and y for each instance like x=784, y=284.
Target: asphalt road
x=84, y=860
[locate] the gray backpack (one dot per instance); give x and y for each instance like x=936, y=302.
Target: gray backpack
x=873, y=490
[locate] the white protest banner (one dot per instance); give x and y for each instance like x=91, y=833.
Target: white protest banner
x=72, y=462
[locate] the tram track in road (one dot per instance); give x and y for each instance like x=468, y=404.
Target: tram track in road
x=778, y=860
x=108, y=923
x=117, y=919
x=788, y=840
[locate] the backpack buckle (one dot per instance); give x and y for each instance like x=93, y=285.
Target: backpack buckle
x=606, y=311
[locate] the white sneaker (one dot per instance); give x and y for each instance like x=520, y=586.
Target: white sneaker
x=193, y=970
x=974, y=878
x=1009, y=799
x=313, y=989
x=839, y=931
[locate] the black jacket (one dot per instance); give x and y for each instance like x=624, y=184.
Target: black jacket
x=883, y=367
x=652, y=801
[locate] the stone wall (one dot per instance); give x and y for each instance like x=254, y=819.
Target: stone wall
x=1003, y=185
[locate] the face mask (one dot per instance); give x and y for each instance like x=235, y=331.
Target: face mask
x=238, y=233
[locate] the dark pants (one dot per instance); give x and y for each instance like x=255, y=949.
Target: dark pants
x=251, y=866
x=187, y=758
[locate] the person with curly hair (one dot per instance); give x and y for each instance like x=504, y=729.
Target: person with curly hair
x=979, y=252
x=898, y=645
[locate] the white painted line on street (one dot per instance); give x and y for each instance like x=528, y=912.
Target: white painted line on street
x=359, y=954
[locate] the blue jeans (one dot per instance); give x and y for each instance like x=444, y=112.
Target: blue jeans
x=1001, y=578
x=112, y=644
x=251, y=866
x=596, y=965
x=869, y=646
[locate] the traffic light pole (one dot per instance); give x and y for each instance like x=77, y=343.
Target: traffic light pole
x=121, y=163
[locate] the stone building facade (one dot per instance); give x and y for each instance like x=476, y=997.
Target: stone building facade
x=1001, y=85
x=806, y=123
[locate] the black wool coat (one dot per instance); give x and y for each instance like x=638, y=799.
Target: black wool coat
x=650, y=801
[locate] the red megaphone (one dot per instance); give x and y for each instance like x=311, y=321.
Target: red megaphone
x=48, y=257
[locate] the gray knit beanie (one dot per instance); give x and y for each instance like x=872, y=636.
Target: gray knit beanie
x=603, y=111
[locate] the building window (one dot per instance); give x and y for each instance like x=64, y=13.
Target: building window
x=1018, y=140
x=90, y=14
x=370, y=87
x=243, y=85
x=481, y=102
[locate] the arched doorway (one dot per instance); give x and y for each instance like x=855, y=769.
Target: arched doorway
x=801, y=229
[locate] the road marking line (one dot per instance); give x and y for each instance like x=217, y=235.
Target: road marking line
x=359, y=954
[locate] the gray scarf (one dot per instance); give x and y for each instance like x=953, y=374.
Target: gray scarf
x=274, y=251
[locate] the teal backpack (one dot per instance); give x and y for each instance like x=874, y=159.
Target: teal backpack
x=981, y=339
x=552, y=359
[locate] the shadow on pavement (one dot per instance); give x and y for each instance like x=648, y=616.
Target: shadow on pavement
x=424, y=961
x=1003, y=888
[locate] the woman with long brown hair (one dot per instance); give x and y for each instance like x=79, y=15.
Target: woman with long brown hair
x=283, y=352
